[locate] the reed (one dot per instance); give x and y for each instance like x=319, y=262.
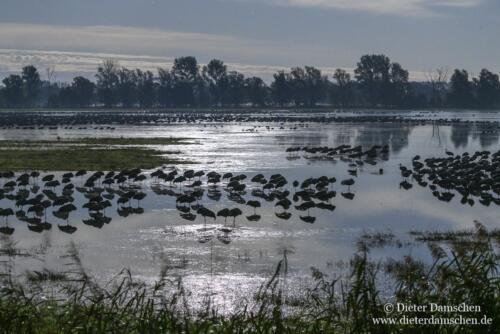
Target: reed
x=457, y=274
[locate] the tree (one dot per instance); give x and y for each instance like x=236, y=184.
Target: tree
x=215, y=74
x=127, y=87
x=235, y=88
x=378, y=82
x=185, y=72
x=83, y=90
x=344, y=86
x=31, y=84
x=186, y=69
x=400, y=89
x=308, y=85
x=438, y=80
x=255, y=89
x=183, y=93
x=488, y=89
x=202, y=94
x=50, y=72
x=145, y=88
x=79, y=94
x=298, y=85
x=315, y=85
x=13, y=90
x=107, y=82
x=372, y=74
x=165, y=87
x=281, y=88
x=65, y=98
x=460, y=95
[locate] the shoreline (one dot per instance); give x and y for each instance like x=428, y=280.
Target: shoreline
x=325, y=109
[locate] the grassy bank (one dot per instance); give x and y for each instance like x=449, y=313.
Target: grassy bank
x=457, y=275
x=87, y=153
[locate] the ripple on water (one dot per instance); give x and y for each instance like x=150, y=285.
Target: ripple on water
x=227, y=273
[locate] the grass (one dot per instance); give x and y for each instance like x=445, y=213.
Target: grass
x=115, y=141
x=71, y=159
x=330, y=305
x=459, y=236
x=87, y=153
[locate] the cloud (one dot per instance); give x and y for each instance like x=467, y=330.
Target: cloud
x=69, y=64
x=417, y=8
x=117, y=38
x=78, y=50
x=159, y=43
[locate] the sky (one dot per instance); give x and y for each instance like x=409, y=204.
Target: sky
x=257, y=37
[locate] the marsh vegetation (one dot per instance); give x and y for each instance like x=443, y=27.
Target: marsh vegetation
x=87, y=153
x=73, y=302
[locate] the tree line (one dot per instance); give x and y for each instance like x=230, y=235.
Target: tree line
x=377, y=82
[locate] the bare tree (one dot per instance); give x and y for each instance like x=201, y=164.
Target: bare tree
x=51, y=73
x=438, y=80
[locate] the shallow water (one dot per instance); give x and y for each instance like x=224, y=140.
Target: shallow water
x=143, y=243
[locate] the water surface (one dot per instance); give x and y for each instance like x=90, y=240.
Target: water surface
x=144, y=243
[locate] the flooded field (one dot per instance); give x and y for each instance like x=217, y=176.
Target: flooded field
x=228, y=258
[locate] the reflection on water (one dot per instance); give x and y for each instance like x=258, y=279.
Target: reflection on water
x=144, y=242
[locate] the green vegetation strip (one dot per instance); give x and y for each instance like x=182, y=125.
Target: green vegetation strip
x=119, y=141
x=87, y=153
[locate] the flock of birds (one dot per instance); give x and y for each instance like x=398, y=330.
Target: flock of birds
x=354, y=155
x=475, y=176
x=33, y=196
x=107, y=120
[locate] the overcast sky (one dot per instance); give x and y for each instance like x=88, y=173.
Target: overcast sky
x=254, y=36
